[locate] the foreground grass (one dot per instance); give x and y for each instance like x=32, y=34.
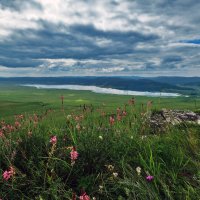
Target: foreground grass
x=116, y=153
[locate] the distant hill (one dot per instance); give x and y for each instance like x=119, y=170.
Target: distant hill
x=176, y=80
x=157, y=84
x=196, y=84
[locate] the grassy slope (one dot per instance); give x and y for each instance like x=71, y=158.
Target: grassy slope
x=44, y=171
x=16, y=100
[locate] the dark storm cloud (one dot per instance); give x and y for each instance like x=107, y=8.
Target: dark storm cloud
x=129, y=36
x=172, y=59
x=50, y=44
x=19, y=62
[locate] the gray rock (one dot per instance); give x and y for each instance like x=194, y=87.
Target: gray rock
x=161, y=120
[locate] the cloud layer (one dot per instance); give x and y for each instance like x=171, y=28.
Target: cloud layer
x=107, y=37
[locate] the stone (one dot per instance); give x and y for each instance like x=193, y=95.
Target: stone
x=159, y=121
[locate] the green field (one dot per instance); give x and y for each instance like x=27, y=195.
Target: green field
x=17, y=100
x=117, y=160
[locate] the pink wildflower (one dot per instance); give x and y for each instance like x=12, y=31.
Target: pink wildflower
x=73, y=154
x=17, y=124
x=53, y=140
x=19, y=117
x=8, y=173
x=84, y=196
x=77, y=118
x=9, y=128
x=1, y=133
x=112, y=120
x=119, y=117
x=149, y=178
x=35, y=119
x=124, y=113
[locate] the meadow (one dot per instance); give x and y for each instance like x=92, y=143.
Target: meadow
x=94, y=146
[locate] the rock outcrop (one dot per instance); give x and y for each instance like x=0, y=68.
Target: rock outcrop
x=160, y=120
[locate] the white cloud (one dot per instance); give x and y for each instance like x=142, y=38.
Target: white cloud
x=14, y=20
x=111, y=70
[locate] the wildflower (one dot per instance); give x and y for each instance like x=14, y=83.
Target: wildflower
x=119, y=117
x=8, y=173
x=143, y=137
x=35, y=118
x=77, y=118
x=9, y=128
x=19, y=117
x=124, y=113
x=115, y=174
x=84, y=196
x=78, y=127
x=149, y=178
x=100, y=137
x=110, y=167
x=112, y=120
x=101, y=188
x=138, y=170
x=69, y=117
x=53, y=140
x=1, y=133
x=74, y=155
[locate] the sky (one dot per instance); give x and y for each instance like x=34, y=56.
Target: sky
x=99, y=37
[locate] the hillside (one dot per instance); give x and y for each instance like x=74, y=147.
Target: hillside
x=125, y=83
x=97, y=147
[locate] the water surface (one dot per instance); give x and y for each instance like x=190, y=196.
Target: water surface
x=104, y=90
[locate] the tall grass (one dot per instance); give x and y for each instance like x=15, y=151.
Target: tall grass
x=108, y=155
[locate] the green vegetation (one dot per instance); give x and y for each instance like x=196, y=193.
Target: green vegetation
x=116, y=150
x=17, y=100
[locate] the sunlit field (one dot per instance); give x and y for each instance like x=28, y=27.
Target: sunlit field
x=17, y=100
x=64, y=144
